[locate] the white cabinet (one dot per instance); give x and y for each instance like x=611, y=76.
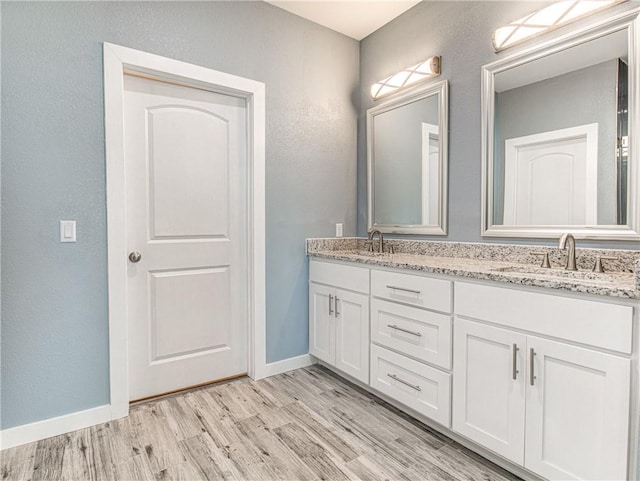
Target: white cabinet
x=352, y=334
x=593, y=323
x=425, y=389
x=423, y=335
x=321, y=326
x=489, y=387
x=339, y=318
x=559, y=410
x=419, y=291
x=577, y=412
x=403, y=319
x=541, y=379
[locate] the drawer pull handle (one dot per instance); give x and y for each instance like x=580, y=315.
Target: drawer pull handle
x=396, y=378
x=330, y=305
x=336, y=304
x=532, y=374
x=392, y=326
x=396, y=288
x=515, y=361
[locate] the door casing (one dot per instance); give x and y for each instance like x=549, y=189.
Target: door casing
x=119, y=60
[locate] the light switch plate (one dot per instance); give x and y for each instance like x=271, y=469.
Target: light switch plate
x=339, y=230
x=67, y=231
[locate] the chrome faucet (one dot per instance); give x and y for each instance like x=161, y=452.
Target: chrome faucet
x=380, y=239
x=571, y=255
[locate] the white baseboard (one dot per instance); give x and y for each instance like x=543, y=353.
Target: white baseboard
x=278, y=367
x=29, y=433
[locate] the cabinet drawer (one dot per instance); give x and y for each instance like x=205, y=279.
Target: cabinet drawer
x=417, y=290
x=340, y=275
x=583, y=321
x=421, y=334
x=422, y=388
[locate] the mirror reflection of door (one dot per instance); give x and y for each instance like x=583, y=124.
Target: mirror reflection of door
x=551, y=178
x=407, y=162
x=430, y=173
x=583, y=77
x=399, y=166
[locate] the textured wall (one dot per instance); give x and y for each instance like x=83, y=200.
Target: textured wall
x=54, y=296
x=54, y=299
x=461, y=33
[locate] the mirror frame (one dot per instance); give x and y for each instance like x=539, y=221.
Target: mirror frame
x=439, y=88
x=631, y=231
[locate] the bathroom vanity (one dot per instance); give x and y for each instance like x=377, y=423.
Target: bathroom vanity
x=501, y=347
x=536, y=369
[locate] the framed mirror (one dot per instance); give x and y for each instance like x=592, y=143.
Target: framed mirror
x=560, y=134
x=407, y=162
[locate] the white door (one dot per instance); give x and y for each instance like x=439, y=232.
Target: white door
x=551, y=178
x=321, y=325
x=430, y=173
x=489, y=387
x=186, y=214
x=352, y=334
x=577, y=413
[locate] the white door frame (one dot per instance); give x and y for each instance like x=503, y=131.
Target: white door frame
x=118, y=61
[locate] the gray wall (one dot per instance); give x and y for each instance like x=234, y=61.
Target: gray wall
x=585, y=96
x=54, y=296
x=461, y=33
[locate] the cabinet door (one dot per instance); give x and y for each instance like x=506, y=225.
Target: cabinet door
x=577, y=412
x=488, y=403
x=352, y=334
x=321, y=323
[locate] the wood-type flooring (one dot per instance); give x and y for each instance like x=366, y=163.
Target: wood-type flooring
x=307, y=424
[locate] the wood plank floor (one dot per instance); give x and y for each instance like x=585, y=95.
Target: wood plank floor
x=304, y=425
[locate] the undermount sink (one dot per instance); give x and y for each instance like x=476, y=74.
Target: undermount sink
x=561, y=273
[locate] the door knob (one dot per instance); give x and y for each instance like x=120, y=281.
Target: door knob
x=135, y=257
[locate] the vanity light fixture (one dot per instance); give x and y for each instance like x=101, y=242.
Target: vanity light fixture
x=430, y=68
x=549, y=18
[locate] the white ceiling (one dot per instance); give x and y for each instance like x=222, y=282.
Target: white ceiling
x=354, y=18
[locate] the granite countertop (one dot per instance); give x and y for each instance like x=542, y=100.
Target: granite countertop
x=495, y=262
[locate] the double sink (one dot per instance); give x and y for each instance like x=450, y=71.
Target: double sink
x=515, y=269
x=495, y=262
x=567, y=241
x=562, y=273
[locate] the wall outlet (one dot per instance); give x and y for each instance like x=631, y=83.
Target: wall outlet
x=339, y=230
